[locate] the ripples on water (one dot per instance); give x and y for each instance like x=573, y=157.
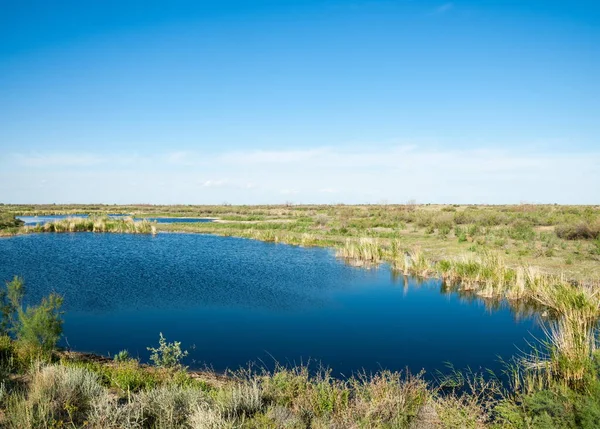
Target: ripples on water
x=238, y=300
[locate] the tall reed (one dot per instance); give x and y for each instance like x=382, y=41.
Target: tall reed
x=365, y=251
x=125, y=225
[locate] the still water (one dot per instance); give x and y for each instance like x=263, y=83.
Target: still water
x=41, y=220
x=231, y=301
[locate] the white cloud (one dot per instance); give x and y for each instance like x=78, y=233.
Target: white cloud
x=213, y=183
x=273, y=157
x=322, y=175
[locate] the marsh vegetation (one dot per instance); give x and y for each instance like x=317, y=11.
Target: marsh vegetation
x=546, y=255
x=9, y=223
x=125, y=225
x=45, y=388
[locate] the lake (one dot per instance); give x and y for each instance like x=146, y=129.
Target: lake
x=41, y=220
x=231, y=301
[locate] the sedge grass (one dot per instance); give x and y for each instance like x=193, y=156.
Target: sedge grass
x=125, y=225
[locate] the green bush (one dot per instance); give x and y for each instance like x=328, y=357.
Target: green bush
x=167, y=355
x=521, y=230
x=596, y=247
x=548, y=409
x=122, y=356
x=579, y=231
x=42, y=325
x=130, y=377
x=58, y=396
x=460, y=234
x=9, y=221
x=39, y=325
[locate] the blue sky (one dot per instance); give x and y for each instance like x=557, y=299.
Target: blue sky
x=305, y=101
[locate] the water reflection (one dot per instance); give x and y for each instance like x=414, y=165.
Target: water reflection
x=241, y=300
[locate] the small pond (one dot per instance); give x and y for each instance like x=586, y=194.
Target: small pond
x=231, y=301
x=41, y=220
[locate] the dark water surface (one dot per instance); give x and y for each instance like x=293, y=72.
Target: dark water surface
x=238, y=300
x=34, y=220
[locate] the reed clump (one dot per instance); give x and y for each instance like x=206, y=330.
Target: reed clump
x=572, y=345
x=580, y=300
x=272, y=236
x=125, y=225
x=572, y=333
x=416, y=263
x=365, y=251
x=555, y=238
x=487, y=275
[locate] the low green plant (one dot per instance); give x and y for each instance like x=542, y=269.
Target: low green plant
x=521, y=230
x=129, y=376
x=596, y=246
x=58, y=396
x=444, y=230
x=167, y=355
x=8, y=220
x=581, y=230
x=553, y=407
x=39, y=325
x=122, y=356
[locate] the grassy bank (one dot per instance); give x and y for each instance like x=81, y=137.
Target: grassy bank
x=9, y=224
x=556, y=385
x=75, y=392
x=95, y=224
x=58, y=389
x=543, y=255
x=555, y=239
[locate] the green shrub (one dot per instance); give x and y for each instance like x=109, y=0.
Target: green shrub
x=9, y=221
x=552, y=408
x=444, y=230
x=58, y=396
x=167, y=355
x=596, y=247
x=169, y=406
x=130, y=377
x=42, y=325
x=122, y=356
x=463, y=217
x=460, y=234
x=521, y=230
x=39, y=325
x=474, y=230
x=579, y=231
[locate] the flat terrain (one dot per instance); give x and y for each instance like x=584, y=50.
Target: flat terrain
x=554, y=387
x=556, y=239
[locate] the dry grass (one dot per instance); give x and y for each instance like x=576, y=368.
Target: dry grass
x=365, y=251
x=66, y=396
x=125, y=225
x=525, y=234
